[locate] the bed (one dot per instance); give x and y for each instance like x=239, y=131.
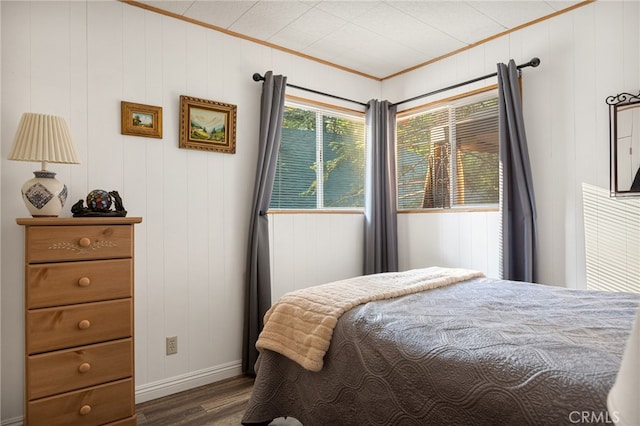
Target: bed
x=477, y=351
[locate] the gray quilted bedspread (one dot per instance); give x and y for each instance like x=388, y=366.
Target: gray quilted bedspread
x=481, y=352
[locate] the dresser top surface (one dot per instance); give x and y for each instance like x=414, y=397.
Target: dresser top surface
x=66, y=221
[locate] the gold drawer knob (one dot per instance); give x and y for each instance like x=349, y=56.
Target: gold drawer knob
x=84, y=367
x=84, y=282
x=84, y=242
x=84, y=324
x=85, y=409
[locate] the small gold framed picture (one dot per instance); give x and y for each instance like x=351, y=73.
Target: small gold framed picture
x=141, y=120
x=207, y=125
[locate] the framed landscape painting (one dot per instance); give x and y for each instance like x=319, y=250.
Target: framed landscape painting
x=141, y=120
x=207, y=125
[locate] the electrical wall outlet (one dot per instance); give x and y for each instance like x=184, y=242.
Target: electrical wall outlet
x=172, y=345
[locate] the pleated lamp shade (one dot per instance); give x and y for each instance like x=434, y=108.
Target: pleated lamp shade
x=46, y=139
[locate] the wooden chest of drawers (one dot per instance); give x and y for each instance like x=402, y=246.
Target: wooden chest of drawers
x=79, y=321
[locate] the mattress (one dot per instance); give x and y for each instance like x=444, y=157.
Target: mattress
x=479, y=352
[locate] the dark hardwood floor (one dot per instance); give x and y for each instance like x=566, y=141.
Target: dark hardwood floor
x=221, y=403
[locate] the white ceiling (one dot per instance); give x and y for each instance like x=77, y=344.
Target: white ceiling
x=375, y=38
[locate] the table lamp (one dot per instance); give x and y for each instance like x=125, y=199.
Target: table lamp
x=44, y=138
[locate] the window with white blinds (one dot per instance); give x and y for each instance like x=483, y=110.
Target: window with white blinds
x=321, y=160
x=447, y=154
x=612, y=240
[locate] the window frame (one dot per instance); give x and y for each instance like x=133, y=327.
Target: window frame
x=297, y=101
x=453, y=208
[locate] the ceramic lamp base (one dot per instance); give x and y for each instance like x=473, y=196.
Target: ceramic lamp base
x=44, y=195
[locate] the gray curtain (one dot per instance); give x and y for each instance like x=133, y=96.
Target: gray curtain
x=258, y=272
x=380, y=210
x=517, y=200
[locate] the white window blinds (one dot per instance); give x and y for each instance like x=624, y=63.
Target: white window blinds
x=447, y=155
x=612, y=240
x=321, y=160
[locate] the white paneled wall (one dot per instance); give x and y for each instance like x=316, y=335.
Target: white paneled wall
x=311, y=249
x=457, y=240
x=587, y=54
x=79, y=59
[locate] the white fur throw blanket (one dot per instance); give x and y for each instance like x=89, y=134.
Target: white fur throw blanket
x=300, y=325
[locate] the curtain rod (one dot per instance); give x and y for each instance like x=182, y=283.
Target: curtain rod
x=532, y=63
x=258, y=77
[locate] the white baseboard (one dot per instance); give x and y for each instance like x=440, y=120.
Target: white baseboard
x=184, y=382
x=16, y=421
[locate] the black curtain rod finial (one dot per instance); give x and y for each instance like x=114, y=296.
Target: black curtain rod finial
x=534, y=62
x=258, y=77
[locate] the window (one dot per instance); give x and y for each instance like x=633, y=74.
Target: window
x=447, y=154
x=321, y=160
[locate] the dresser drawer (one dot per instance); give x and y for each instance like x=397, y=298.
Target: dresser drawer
x=62, y=371
x=67, y=326
x=92, y=406
x=61, y=243
x=53, y=284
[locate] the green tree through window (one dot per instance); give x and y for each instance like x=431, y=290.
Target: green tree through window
x=447, y=155
x=321, y=160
